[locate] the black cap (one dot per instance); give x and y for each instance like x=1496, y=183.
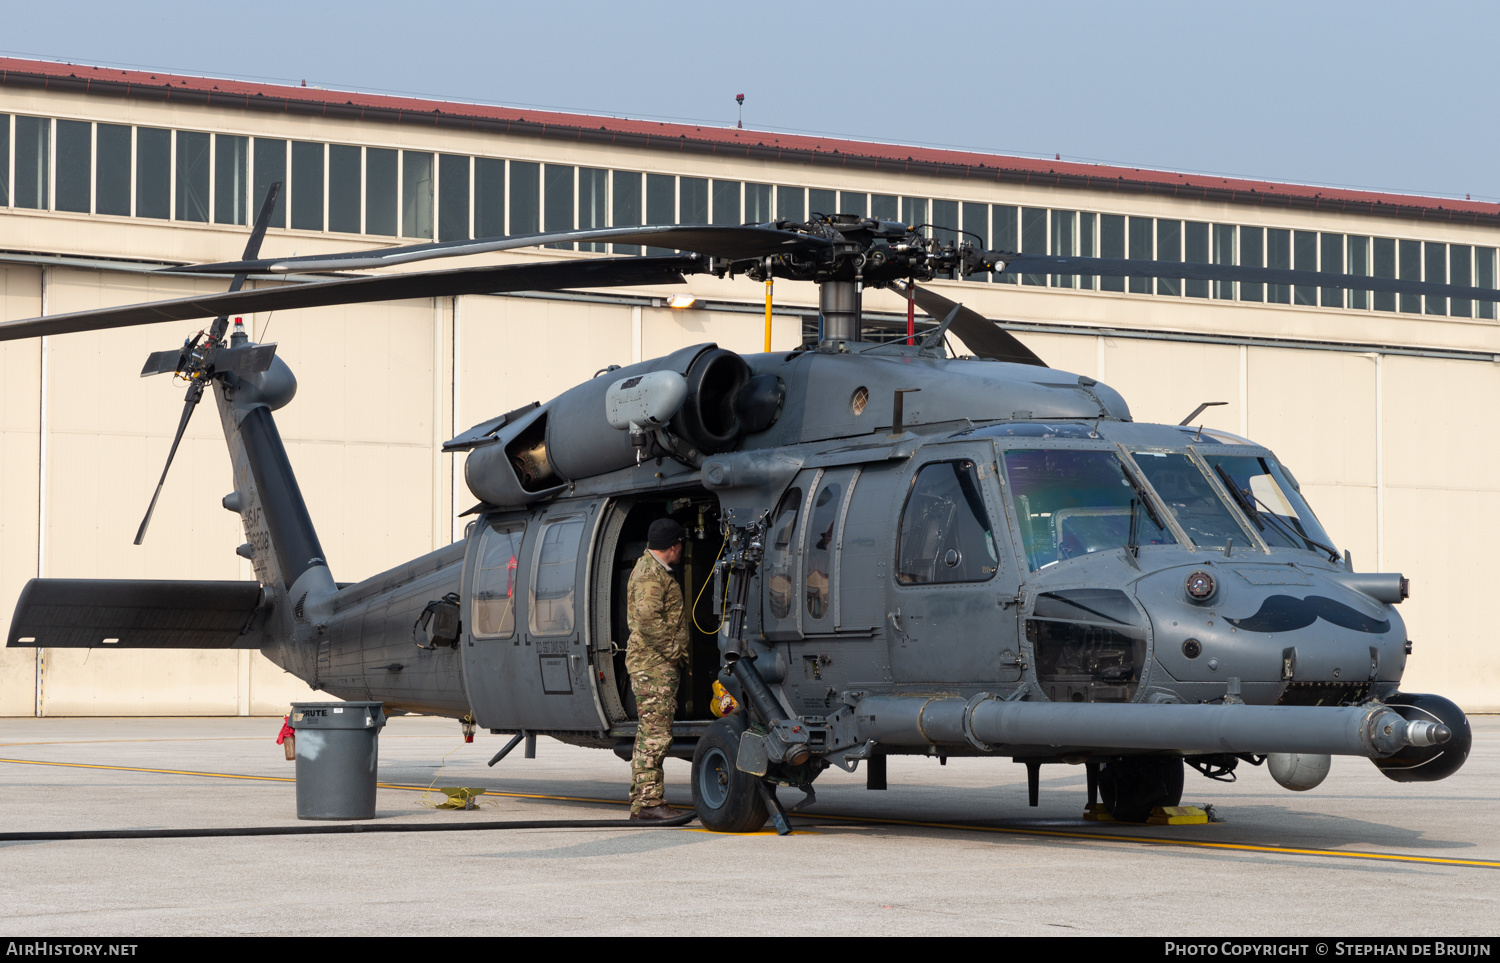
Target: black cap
x=663, y=534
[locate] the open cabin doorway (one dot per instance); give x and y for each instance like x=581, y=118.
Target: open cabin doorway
x=697, y=511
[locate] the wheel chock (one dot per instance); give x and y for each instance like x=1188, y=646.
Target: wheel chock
x=1177, y=816
x=1096, y=813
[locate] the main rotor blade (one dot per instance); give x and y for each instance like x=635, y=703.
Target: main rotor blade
x=194, y=395
x=547, y=276
x=985, y=338
x=724, y=241
x=1183, y=270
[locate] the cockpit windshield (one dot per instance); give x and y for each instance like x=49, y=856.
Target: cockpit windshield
x=1266, y=494
x=1191, y=498
x=1072, y=502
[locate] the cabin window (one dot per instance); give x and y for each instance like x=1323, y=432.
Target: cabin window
x=779, y=555
x=820, y=536
x=1072, y=502
x=945, y=530
x=1190, y=498
x=494, y=600
x=552, y=579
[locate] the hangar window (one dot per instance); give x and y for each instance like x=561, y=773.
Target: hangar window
x=593, y=204
x=270, y=167
x=852, y=203
x=1168, y=248
x=791, y=203
x=4, y=160
x=1331, y=255
x=1278, y=255
x=75, y=162
x=1358, y=252
x=692, y=200
x=1088, y=233
x=1111, y=245
x=557, y=208
x=1484, y=277
x=661, y=204
x=913, y=210
x=1063, y=239
x=1224, y=253
x=307, y=186
x=758, y=204
x=827, y=202
x=1304, y=258
x=625, y=206
x=231, y=165
x=1195, y=251
x=1033, y=239
x=1409, y=268
x=192, y=176
x=1141, y=248
x=1435, y=268
x=416, y=194
x=945, y=221
x=33, y=162
x=380, y=191
x=153, y=173
x=1384, y=261
x=344, y=188
x=1252, y=254
x=489, y=197
x=1007, y=236
x=453, y=197
x=1461, y=271
x=726, y=197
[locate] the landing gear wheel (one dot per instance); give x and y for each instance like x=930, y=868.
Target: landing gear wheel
x=727, y=800
x=1132, y=786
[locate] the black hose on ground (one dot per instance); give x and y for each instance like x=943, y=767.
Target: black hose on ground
x=345, y=828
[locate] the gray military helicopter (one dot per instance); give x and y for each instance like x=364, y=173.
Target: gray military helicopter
x=907, y=552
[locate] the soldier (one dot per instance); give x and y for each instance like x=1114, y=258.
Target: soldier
x=654, y=656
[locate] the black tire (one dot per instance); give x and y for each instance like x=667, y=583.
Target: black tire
x=727, y=800
x=1131, y=786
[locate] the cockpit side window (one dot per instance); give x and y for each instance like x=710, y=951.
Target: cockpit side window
x=494, y=599
x=779, y=555
x=945, y=531
x=1071, y=502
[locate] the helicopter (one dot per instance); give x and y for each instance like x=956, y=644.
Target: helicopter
x=905, y=551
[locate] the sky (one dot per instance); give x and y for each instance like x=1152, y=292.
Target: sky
x=1371, y=95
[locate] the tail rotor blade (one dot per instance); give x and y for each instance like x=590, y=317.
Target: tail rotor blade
x=194, y=395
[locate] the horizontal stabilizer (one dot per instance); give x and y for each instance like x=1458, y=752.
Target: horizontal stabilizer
x=137, y=614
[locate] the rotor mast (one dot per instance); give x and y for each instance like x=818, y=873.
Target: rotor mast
x=839, y=303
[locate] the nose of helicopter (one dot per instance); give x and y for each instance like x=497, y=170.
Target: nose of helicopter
x=1290, y=634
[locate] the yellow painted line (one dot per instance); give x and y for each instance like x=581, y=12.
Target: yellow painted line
x=873, y=820
x=1164, y=841
x=235, y=775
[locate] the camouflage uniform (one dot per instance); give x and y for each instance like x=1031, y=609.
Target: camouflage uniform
x=654, y=655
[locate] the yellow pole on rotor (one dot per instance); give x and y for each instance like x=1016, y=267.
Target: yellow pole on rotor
x=768, y=314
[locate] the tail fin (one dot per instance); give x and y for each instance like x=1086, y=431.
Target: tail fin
x=281, y=541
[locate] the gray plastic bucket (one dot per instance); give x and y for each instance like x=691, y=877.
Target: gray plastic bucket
x=337, y=753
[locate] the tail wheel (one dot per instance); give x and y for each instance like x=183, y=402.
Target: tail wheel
x=727, y=800
x=1132, y=786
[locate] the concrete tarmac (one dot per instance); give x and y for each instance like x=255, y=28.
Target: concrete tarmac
x=946, y=850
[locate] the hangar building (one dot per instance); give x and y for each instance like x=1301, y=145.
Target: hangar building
x=1380, y=403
